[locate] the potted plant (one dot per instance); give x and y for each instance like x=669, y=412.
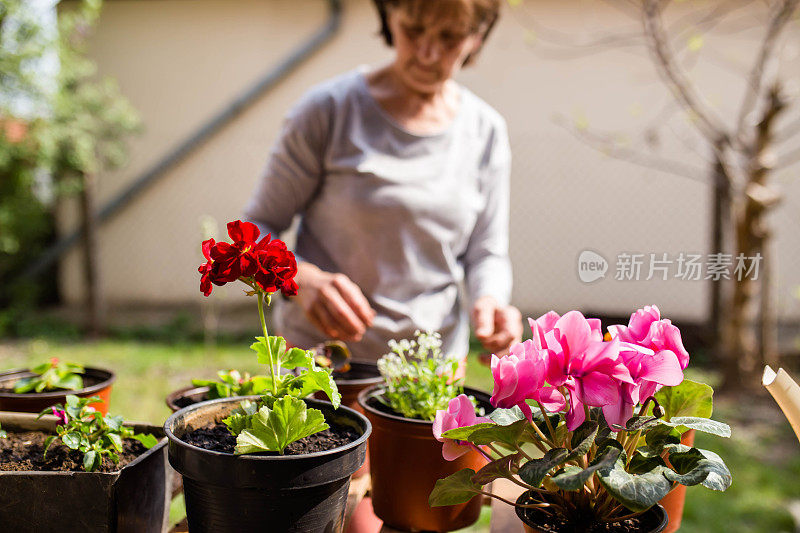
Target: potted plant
x=31, y=390
x=606, y=415
x=231, y=383
x=80, y=470
x=278, y=462
x=405, y=458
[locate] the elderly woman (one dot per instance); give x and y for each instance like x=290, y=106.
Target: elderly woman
x=401, y=178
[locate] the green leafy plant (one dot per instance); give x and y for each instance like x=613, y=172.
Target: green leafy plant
x=233, y=383
x=281, y=416
x=606, y=416
x=419, y=378
x=82, y=428
x=3, y=434
x=52, y=375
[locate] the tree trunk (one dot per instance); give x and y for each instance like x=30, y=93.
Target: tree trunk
x=94, y=301
x=721, y=219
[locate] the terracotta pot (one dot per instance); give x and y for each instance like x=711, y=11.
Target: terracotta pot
x=134, y=499
x=281, y=493
x=674, y=501
x=406, y=461
x=185, y=397
x=362, y=375
x=656, y=514
x=35, y=402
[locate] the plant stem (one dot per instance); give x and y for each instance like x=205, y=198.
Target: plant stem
x=272, y=369
x=547, y=421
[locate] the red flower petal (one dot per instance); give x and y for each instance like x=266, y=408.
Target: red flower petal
x=243, y=231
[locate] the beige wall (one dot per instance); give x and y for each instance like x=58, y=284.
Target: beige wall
x=179, y=62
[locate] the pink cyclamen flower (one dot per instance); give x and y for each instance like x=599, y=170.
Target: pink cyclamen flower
x=460, y=413
x=580, y=361
x=520, y=376
x=61, y=415
x=646, y=328
x=650, y=371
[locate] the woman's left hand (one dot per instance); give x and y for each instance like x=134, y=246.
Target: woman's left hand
x=497, y=327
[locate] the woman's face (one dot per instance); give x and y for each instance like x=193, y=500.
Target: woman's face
x=430, y=49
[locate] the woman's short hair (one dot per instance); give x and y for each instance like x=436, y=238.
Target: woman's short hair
x=483, y=13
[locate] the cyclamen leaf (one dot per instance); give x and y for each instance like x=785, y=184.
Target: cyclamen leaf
x=699, y=466
x=535, y=470
x=573, y=478
x=496, y=469
x=660, y=436
x=463, y=433
x=637, y=492
x=701, y=424
x=687, y=399
x=273, y=429
x=582, y=439
x=454, y=489
x=505, y=417
x=508, y=435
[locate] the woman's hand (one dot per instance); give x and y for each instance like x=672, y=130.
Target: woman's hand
x=333, y=303
x=497, y=327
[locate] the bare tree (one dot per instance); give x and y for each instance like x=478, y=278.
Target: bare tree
x=744, y=157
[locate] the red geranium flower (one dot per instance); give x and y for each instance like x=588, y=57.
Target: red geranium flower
x=268, y=262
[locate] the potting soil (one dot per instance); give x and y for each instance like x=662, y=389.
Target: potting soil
x=217, y=438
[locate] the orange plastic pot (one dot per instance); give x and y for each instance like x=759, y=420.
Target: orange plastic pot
x=362, y=375
x=405, y=463
x=674, y=501
x=34, y=402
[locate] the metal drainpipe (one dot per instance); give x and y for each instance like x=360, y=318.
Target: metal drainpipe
x=206, y=131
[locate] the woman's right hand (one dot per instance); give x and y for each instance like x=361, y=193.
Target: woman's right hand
x=333, y=303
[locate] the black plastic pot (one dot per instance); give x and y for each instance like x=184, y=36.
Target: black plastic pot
x=133, y=500
x=656, y=519
x=290, y=493
x=185, y=397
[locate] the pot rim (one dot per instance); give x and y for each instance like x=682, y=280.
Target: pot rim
x=172, y=420
x=377, y=390
x=361, y=381
x=109, y=378
x=48, y=420
x=658, y=506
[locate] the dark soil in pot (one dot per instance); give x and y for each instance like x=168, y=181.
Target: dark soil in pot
x=96, y=382
x=25, y=452
x=654, y=520
x=217, y=438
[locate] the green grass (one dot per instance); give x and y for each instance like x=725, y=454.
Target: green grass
x=762, y=454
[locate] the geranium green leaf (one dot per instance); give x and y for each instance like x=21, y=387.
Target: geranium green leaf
x=273, y=429
x=454, y=489
x=41, y=369
x=495, y=469
x=701, y=424
x=535, y=470
x=463, y=433
x=699, y=466
x=312, y=381
x=637, y=492
x=147, y=440
x=687, y=399
x=573, y=478
x=91, y=460
x=71, y=440
x=269, y=350
x=296, y=357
